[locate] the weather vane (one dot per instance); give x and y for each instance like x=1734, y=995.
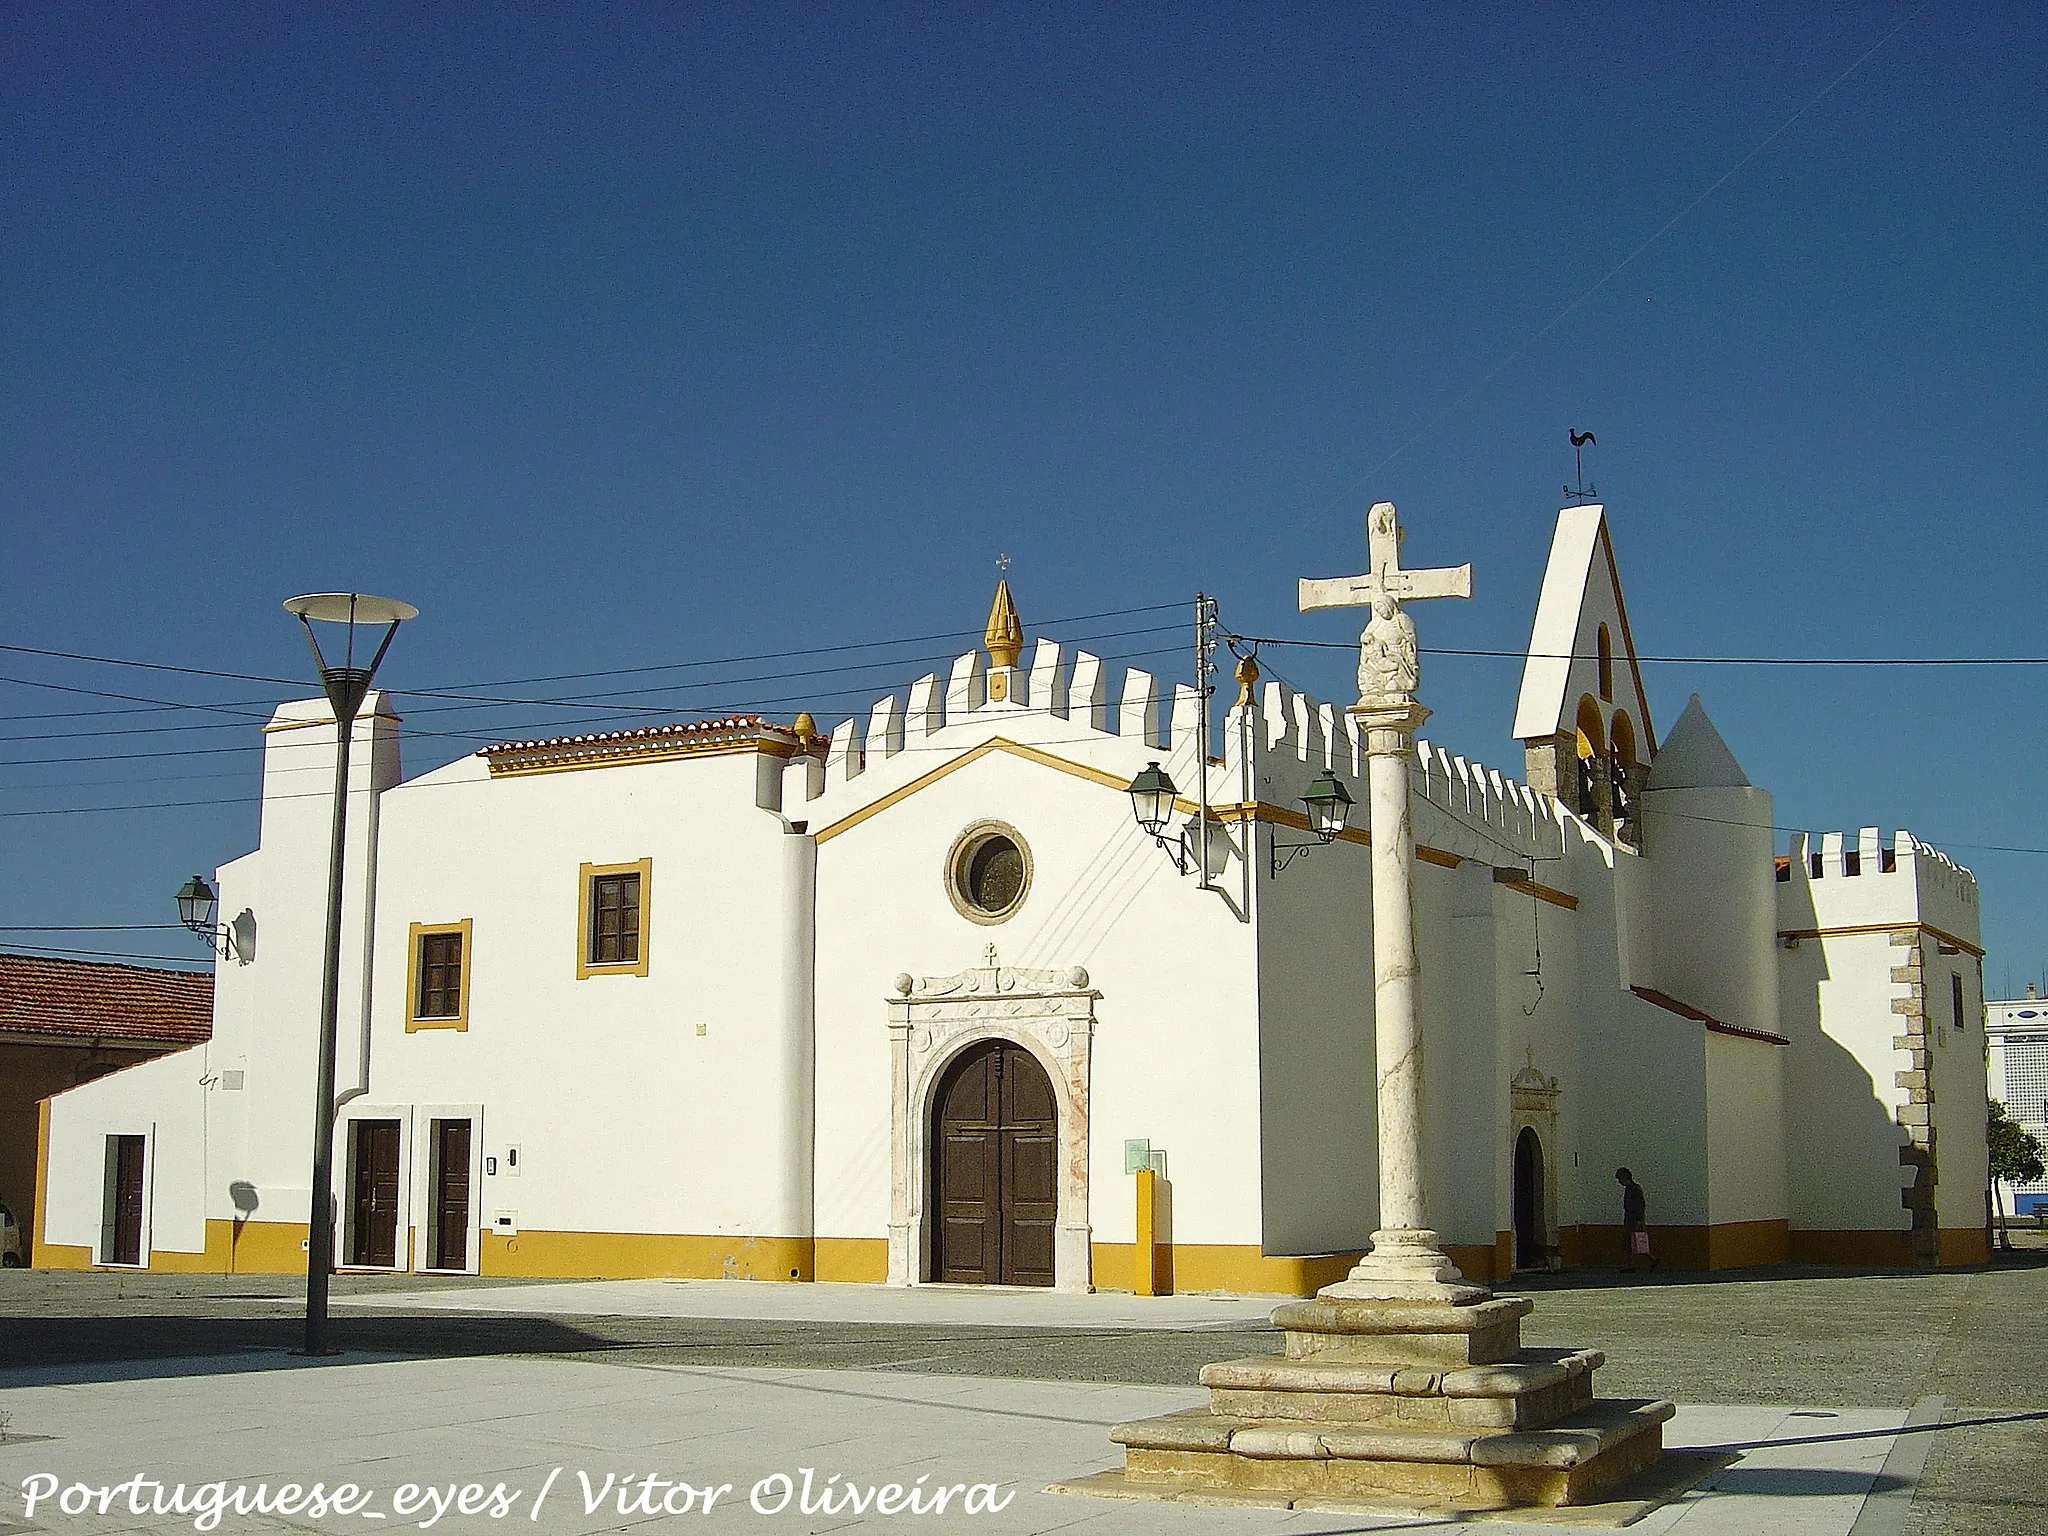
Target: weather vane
x=1584, y=492
x=1002, y=565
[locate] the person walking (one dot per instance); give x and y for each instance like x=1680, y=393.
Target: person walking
x=1635, y=1223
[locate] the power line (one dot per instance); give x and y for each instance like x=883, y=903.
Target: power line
x=1693, y=661
x=301, y=683
x=95, y=928
x=593, y=716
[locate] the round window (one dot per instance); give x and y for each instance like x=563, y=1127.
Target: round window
x=988, y=872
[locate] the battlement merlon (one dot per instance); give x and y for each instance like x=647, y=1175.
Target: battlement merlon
x=1477, y=812
x=1831, y=881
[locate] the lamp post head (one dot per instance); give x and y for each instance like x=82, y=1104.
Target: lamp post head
x=348, y=684
x=1329, y=806
x=196, y=905
x=1152, y=793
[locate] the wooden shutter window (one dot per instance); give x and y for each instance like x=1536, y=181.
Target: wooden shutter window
x=440, y=977
x=437, y=986
x=611, y=918
x=615, y=919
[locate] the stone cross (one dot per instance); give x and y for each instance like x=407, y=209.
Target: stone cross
x=1406, y=1264
x=1388, y=665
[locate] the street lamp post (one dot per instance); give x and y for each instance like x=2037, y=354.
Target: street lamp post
x=346, y=686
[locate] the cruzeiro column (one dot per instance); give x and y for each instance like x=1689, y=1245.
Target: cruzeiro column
x=1405, y=1263
x=1400, y=1383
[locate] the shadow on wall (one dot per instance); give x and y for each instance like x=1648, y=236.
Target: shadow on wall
x=1844, y=1151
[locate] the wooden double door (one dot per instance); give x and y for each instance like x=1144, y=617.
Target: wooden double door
x=374, y=1176
x=995, y=1169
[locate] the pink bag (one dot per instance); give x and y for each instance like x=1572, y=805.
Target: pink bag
x=1639, y=1242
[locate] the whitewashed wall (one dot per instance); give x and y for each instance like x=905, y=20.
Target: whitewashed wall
x=674, y=1103
x=1175, y=1051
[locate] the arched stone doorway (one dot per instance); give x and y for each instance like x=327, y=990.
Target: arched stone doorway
x=995, y=1169
x=1531, y=1240
x=1532, y=1179
x=937, y=1024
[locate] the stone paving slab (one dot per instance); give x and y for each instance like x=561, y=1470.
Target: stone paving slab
x=384, y=1424
x=827, y=1302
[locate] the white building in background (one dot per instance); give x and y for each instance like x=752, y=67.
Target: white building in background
x=907, y=1003
x=2017, y=1036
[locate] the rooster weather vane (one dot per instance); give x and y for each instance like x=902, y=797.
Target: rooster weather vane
x=1584, y=492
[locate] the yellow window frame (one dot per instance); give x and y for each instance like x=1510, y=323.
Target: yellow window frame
x=587, y=876
x=413, y=945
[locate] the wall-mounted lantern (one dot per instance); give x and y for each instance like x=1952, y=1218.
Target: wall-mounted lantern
x=1329, y=807
x=197, y=908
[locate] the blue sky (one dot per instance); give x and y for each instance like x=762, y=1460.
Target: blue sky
x=631, y=336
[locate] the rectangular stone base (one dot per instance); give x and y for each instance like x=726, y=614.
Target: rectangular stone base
x=1571, y=1462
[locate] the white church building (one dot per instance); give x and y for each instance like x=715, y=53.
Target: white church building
x=914, y=1001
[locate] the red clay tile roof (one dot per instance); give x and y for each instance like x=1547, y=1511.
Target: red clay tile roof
x=1686, y=1011
x=95, y=1000
x=675, y=732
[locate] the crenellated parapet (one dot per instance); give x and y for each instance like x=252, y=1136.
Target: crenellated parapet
x=1831, y=881
x=1074, y=705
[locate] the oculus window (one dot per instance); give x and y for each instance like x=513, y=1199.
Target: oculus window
x=988, y=872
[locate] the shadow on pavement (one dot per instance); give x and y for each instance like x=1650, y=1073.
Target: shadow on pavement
x=129, y=1348
x=1882, y=1434
x=1591, y=1278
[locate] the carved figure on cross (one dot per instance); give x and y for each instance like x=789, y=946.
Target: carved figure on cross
x=1389, y=661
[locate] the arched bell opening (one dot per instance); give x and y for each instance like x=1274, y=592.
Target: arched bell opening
x=1590, y=746
x=1624, y=775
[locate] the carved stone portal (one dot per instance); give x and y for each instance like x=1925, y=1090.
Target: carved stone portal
x=1533, y=1107
x=931, y=1020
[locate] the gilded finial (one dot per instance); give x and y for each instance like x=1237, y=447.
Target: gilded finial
x=1004, y=636
x=1247, y=679
x=806, y=730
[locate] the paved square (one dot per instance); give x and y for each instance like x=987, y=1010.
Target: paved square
x=252, y=1420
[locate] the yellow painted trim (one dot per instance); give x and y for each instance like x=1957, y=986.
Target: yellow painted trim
x=852, y=1260
x=1257, y=810
x=261, y=1247
x=41, y=1214
x=1475, y=1261
x=414, y=933
x=1746, y=1244
x=1965, y=1245
x=1864, y=1247
x=622, y=755
x=647, y=1256
x=585, y=874
x=1547, y=893
x=1852, y=929
x=1235, y=1268
x=973, y=754
x=62, y=1256
x=1145, y=1250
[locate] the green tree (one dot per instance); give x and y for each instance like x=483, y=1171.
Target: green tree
x=2015, y=1154
x=2015, y=1159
